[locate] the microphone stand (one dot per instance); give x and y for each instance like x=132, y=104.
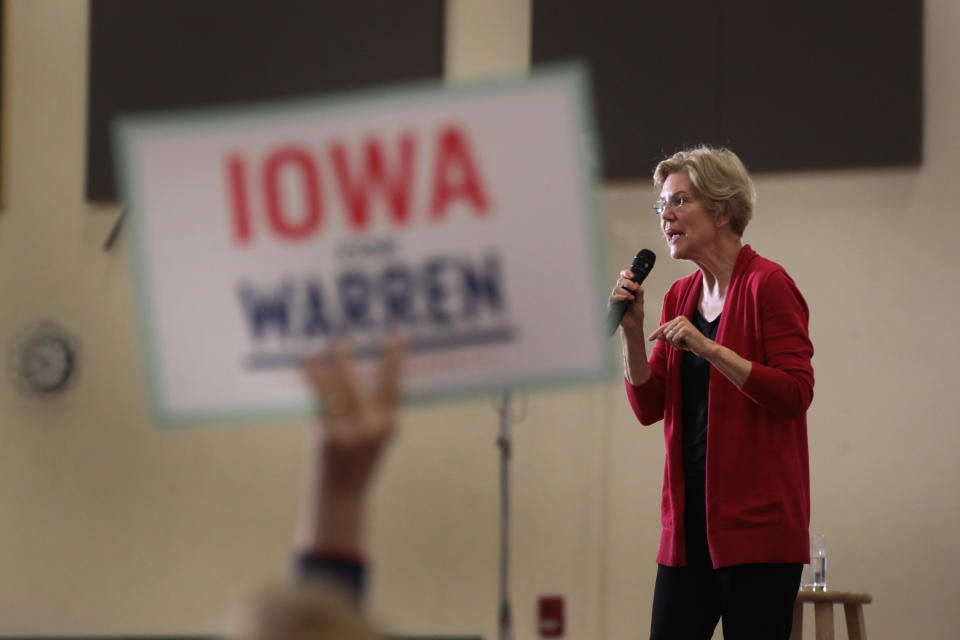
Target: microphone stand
x=505, y=622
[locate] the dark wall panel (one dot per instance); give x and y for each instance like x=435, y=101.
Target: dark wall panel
x=651, y=90
x=788, y=86
x=148, y=55
x=823, y=84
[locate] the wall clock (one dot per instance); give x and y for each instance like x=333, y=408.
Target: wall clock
x=42, y=358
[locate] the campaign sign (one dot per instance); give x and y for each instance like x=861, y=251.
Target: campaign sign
x=462, y=217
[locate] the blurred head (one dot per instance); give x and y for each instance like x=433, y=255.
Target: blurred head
x=719, y=179
x=301, y=613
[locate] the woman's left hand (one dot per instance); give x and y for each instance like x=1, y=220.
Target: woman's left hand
x=680, y=333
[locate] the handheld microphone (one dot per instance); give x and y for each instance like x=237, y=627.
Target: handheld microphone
x=641, y=267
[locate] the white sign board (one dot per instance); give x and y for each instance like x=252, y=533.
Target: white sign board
x=463, y=217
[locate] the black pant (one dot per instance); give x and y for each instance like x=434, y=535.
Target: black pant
x=755, y=601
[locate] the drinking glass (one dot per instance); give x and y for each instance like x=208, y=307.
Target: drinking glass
x=814, y=576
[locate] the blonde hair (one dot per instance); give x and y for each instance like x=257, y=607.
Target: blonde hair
x=305, y=612
x=720, y=178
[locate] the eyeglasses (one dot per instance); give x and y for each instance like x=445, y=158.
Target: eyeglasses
x=675, y=201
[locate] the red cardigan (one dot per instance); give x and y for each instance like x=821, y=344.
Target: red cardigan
x=758, y=479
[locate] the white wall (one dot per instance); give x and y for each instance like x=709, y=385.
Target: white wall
x=108, y=525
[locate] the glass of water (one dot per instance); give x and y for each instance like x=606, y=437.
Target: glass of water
x=814, y=576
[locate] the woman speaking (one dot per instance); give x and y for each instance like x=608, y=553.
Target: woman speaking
x=730, y=375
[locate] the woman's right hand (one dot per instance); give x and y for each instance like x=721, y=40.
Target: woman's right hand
x=627, y=289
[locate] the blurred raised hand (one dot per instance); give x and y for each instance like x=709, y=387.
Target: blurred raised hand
x=355, y=424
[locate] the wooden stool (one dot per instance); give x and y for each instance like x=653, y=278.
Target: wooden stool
x=823, y=602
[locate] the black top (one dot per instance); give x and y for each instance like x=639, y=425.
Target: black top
x=695, y=391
